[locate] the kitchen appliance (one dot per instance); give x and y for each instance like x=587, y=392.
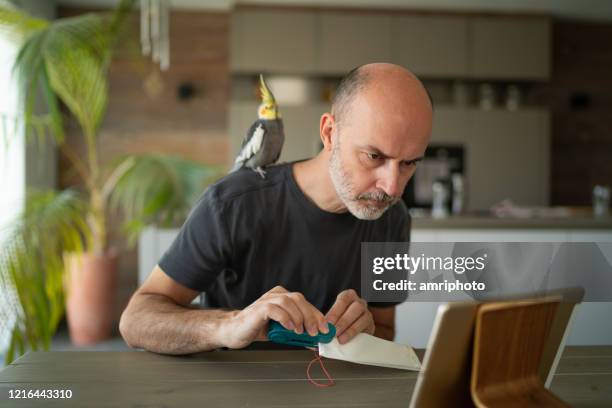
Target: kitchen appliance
x=441, y=162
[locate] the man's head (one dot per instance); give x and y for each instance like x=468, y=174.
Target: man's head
x=379, y=127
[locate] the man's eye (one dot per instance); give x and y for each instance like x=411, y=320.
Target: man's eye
x=373, y=156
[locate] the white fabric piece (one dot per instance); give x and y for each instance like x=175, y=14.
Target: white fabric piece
x=370, y=350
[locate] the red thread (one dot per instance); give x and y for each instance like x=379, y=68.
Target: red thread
x=331, y=382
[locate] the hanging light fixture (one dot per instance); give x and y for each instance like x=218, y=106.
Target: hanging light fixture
x=155, y=31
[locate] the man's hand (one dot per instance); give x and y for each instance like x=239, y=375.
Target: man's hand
x=290, y=309
x=351, y=316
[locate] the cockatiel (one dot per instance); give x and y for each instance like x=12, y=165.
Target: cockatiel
x=263, y=142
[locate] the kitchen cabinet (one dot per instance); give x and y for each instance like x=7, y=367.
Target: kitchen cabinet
x=279, y=41
x=436, y=46
x=451, y=126
x=506, y=154
x=349, y=40
x=301, y=132
x=433, y=46
x=510, y=48
x=507, y=157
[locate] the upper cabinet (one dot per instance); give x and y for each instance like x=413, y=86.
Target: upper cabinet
x=273, y=41
x=510, y=48
x=351, y=39
x=513, y=148
x=434, y=46
x=323, y=42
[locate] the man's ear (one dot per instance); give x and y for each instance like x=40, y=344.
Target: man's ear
x=326, y=128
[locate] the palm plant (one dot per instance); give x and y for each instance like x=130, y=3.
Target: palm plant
x=66, y=61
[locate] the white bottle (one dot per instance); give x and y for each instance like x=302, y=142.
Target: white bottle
x=439, y=199
x=458, y=202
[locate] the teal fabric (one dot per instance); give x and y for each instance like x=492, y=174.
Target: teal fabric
x=278, y=334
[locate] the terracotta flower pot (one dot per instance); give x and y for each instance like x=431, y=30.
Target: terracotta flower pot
x=90, y=284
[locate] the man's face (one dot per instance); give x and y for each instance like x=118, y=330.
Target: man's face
x=377, y=155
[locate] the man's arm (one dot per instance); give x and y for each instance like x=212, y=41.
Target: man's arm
x=158, y=318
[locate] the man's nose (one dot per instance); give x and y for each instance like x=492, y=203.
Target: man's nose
x=389, y=179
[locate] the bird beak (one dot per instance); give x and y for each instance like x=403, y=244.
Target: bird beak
x=266, y=95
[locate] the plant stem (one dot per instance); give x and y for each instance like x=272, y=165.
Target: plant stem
x=97, y=222
x=78, y=164
x=92, y=155
x=97, y=216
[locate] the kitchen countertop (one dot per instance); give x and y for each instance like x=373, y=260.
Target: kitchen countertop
x=490, y=222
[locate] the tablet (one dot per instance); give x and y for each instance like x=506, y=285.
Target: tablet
x=444, y=379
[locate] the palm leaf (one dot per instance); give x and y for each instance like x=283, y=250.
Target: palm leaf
x=156, y=189
x=69, y=59
x=32, y=267
x=29, y=33
x=17, y=24
x=78, y=77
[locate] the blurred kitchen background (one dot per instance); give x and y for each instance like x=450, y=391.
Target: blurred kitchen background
x=522, y=140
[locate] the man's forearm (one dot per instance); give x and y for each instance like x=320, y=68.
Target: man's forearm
x=157, y=324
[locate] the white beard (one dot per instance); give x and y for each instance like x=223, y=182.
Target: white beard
x=356, y=204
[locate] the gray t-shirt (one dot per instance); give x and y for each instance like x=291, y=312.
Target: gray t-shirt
x=246, y=235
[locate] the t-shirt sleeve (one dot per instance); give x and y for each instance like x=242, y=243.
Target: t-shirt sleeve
x=202, y=248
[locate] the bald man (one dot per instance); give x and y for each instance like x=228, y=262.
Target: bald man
x=287, y=247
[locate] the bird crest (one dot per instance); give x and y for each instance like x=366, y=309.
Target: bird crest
x=268, y=109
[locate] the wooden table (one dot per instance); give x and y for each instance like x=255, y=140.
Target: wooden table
x=253, y=379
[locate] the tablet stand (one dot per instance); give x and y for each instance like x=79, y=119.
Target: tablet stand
x=509, y=341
